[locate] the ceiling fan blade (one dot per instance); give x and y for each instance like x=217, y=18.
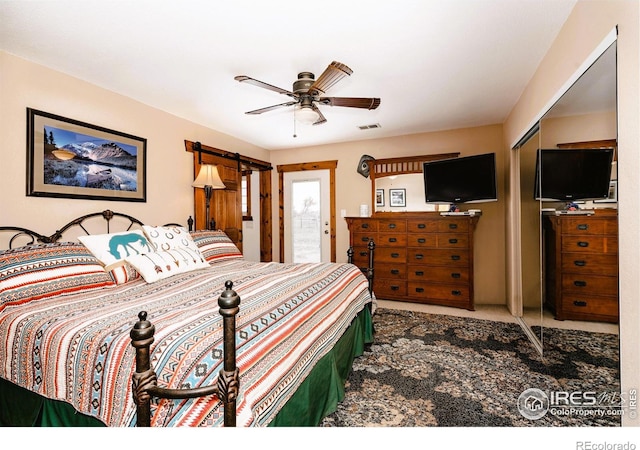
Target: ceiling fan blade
x=351, y=102
x=262, y=84
x=271, y=108
x=332, y=74
x=321, y=118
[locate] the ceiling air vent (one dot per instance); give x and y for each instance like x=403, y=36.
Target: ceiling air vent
x=368, y=127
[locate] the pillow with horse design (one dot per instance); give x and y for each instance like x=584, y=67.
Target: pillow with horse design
x=111, y=250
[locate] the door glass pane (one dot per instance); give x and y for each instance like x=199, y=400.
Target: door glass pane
x=306, y=222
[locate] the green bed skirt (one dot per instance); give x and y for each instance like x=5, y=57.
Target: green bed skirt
x=316, y=397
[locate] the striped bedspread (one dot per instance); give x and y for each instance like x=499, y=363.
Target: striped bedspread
x=77, y=347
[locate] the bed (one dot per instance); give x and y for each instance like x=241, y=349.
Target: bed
x=231, y=342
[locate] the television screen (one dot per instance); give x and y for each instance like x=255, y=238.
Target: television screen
x=468, y=179
x=573, y=174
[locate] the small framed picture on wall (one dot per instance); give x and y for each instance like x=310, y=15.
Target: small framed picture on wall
x=379, y=197
x=398, y=197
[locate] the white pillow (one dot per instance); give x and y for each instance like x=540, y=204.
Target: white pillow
x=166, y=263
x=167, y=238
x=111, y=249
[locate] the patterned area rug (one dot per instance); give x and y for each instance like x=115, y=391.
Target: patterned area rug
x=437, y=370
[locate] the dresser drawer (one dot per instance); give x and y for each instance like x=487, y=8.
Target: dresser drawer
x=453, y=226
x=452, y=240
x=453, y=292
x=393, y=271
x=590, y=263
x=422, y=240
x=391, y=240
x=392, y=225
x=590, y=244
x=590, y=226
x=363, y=238
x=590, y=284
x=590, y=305
x=390, y=255
x=437, y=274
x=368, y=226
x=361, y=256
x=422, y=226
x=439, y=257
x=384, y=287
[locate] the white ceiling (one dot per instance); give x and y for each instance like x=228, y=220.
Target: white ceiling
x=435, y=64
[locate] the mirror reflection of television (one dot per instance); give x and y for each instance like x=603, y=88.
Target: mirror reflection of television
x=467, y=179
x=573, y=174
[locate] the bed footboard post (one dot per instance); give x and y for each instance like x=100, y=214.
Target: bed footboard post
x=229, y=378
x=350, y=255
x=143, y=378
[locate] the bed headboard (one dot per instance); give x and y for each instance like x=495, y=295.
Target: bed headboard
x=106, y=221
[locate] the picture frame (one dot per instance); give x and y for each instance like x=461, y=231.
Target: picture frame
x=379, y=197
x=613, y=193
x=397, y=197
x=67, y=158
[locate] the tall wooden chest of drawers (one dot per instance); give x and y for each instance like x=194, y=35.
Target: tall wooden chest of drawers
x=419, y=257
x=581, y=265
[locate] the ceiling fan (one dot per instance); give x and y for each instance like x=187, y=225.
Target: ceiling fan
x=307, y=94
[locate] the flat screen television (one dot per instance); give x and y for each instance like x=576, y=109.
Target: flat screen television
x=467, y=179
x=572, y=174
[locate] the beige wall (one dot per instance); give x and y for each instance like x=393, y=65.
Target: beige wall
x=587, y=26
x=353, y=190
x=169, y=166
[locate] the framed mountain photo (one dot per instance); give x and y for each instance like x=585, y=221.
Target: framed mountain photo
x=72, y=159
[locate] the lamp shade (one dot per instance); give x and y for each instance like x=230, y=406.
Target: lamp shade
x=305, y=114
x=208, y=176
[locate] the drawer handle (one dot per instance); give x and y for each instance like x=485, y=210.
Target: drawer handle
x=420, y=290
x=395, y=255
x=583, y=226
x=580, y=263
x=456, y=292
x=453, y=226
x=580, y=303
x=455, y=257
x=455, y=275
x=422, y=225
x=421, y=240
x=365, y=239
x=364, y=253
x=393, y=240
x=583, y=244
x=395, y=288
x=365, y=225
x=392, y=225
x=453, y=241
x=419, y=256
x=419, y=273
x=395, y=271
x=580, y=283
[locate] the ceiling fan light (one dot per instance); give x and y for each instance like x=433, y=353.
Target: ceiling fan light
x=306, y=115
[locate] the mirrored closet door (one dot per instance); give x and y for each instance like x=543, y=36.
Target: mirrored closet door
x=583, y=117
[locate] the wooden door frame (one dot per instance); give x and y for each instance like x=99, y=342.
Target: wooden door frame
x=265, y=168
x=320, y=165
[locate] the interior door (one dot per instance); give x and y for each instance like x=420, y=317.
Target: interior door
x=307, y=216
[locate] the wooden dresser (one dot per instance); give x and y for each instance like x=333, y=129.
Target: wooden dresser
x=419, y=257
x=580, y=265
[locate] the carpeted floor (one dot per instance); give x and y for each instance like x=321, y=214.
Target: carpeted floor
x=436, y=370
